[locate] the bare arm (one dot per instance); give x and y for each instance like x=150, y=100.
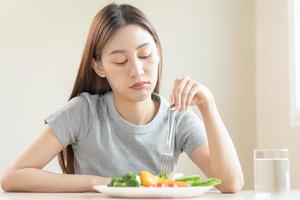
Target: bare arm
x=26, y=173
x=218, y=157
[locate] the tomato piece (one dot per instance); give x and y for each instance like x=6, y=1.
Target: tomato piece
x=165, y=183
x=159, y=184
x=171, y=184
x=148, y=185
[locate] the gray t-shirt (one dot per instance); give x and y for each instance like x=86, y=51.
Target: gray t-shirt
x=105, y=144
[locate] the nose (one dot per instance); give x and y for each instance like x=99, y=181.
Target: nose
x=136, y=68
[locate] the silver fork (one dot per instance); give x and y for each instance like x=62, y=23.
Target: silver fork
x=167, y=151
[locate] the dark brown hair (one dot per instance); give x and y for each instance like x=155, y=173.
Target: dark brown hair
x=107, y=22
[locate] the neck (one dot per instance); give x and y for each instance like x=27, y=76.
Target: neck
x=136, y=112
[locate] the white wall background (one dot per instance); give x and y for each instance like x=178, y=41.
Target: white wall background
x=212, y=41
x=274, y=129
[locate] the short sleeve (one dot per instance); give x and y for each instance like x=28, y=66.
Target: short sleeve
x=71, y=122
x=190, y=132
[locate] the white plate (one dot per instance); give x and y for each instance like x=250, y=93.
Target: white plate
x=152, y=192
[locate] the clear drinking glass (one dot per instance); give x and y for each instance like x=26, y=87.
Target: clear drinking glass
x=271, y=170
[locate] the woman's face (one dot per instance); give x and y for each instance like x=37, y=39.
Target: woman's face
x=130, y=63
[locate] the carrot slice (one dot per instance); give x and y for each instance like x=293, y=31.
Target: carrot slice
x=182, y=184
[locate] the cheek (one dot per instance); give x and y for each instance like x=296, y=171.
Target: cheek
x=153, y=65
x=116, y=82
x=113, y=75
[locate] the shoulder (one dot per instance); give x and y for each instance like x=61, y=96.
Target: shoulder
x=188, y=114
x=85, y=102
x=188, y=119
x=86, y=98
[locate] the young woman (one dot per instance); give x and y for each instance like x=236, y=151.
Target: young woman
x=115, y=121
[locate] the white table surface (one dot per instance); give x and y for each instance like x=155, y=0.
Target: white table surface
x=243, y=195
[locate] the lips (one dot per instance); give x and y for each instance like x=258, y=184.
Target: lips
x=139, y=85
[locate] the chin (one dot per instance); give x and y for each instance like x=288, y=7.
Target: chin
x=140, y=95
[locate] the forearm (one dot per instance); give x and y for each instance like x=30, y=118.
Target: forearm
x=224, y=159
x=37, y=180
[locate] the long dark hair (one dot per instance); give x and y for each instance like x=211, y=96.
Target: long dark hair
x=107, y=22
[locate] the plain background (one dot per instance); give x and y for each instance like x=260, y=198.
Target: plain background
x=237, y=48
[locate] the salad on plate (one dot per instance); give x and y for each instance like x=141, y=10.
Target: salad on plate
x=147, y=185
x=146, y=179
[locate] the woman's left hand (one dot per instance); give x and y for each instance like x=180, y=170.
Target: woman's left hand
x=187, y=92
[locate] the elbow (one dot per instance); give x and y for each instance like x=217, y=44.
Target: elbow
x=6, y=183
x=232, y=186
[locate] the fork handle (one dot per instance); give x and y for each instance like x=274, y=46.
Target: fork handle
x=171, y=125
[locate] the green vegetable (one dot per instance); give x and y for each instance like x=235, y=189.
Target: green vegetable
x=129, y=176
x=197, y=181
x=190, y=179
x=193, y=180
x=132, y=183
x=164, y=176
x=114, y=181
x=128, y=180
x=208, y=182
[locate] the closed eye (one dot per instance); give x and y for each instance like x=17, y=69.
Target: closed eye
x=121, y=63
x=143, y=57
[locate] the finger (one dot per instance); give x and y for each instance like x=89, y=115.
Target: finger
x=185, y=93
x=178, y=92
x=193, y=91
x=172, y=95
x=171, y=100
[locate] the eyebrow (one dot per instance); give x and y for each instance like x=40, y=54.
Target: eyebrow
x=122, y=51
